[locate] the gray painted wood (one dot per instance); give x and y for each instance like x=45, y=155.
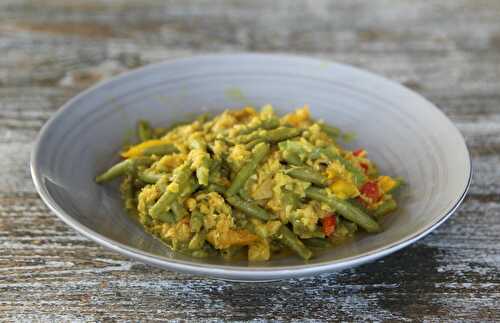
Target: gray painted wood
x=447, y=50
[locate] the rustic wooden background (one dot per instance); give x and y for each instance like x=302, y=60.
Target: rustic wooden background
x=448, y=50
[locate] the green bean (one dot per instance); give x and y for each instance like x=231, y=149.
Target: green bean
x=266, y=124
x=167, y=217
x=216, y=188
x=282, y=133
x=332, y=132
x=291, y=158
x=358, y=175
x=399, y=182
x=159, y=132
x=190, y=188
x=197, y=241
x=290, y=198
x=248, y=207
x=196, y=143
x=200, y=254
x=275, y=135
x=181, y=179
x=121, y=168
x=293, y=242
x=160, y=150
x=162, y=183
x=295, y=147
x=127, y=189
x=233, y=252
x=255, y=135
x=254, y=143
x=202, y=171
x=144, y=131
x=116, y=170
x=196, y=221
x=307, y=174
x=179, y=211
x=344, y=208
x=149, y=177
x=317, y=243
x=244, y=194
x=259, y=153
x=386, y=207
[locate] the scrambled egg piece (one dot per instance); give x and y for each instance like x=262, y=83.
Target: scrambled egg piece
x=238, y=156
x=386, y=183
x=225, y=121
x=336, y=170
x=259, y=250
x=297, y=118
x=225, y=236
x=308, y=217
x=344, y=189
x=169, y=162
x=262, y=188
x=147, y=197
x=179, y=234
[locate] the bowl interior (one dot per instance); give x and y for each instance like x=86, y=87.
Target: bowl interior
x=402, y=132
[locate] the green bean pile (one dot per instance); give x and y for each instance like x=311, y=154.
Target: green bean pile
x=251, y=184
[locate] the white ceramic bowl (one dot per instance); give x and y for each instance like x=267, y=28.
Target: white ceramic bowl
x=404, y=134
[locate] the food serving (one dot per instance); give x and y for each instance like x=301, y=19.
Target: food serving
x=248, y=183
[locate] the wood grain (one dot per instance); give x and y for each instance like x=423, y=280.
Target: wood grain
x=449, y=51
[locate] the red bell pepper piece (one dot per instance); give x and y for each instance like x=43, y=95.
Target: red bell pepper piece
x=370, y=190
x=329, y=223
x=358, y=152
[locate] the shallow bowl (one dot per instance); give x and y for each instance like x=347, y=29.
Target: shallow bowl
x=405, y=135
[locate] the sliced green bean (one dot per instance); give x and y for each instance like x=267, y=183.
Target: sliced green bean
x=290, y=198
x=179, y=211
x=196, y=221
x=282, y=133
x=127, y=189
x=344, y=208
x=167, y=217
x=266, y=124
x=274, y=135
x=248, y=207
x=149, y=177
x=203, y=170
x=181, y=179
x=293, y=242
x=307, y=174
x=291, y=158
x=216, y=188
x=259, y=153
x=197, y=241
x=159, y=132
x=121, y=168
x=144, y=131
x=332, y=132
x=386, y=207
x=399, y=182
x=160, y=150
x=190, y=188
x=254, y=143
x=317, y=243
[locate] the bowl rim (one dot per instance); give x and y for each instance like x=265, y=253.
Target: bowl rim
x=227, y=271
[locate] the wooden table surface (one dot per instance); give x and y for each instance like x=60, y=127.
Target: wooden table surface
x=447, y=50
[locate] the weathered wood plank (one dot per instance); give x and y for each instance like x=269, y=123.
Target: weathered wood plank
x=448, y=51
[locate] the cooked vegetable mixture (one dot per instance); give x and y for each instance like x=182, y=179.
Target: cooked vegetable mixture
x=249, y=183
